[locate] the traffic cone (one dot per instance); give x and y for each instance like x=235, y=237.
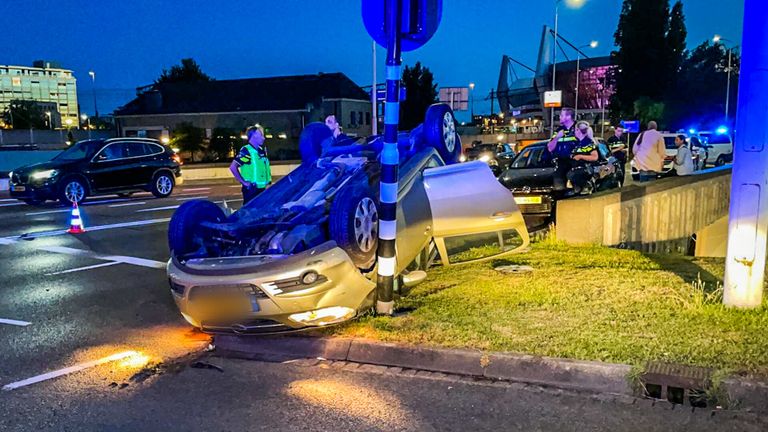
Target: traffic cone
x=76, y=223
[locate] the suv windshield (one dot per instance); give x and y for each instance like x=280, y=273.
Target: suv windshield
x=81, y=150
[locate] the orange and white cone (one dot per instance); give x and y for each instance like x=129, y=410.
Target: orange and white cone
x=76, y=224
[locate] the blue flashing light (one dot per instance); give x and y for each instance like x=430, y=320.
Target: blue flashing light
x=722, y=130
x=691, y=131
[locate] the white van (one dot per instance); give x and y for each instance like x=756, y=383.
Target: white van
x=719, y=147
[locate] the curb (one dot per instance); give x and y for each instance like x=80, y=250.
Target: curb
x=594, y=377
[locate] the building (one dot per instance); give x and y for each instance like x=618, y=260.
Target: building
x=48, y=84
x=522, y=98
x=283, y=105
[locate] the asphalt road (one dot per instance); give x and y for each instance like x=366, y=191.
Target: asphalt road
x=98, y=312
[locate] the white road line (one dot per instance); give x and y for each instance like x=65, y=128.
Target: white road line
x=13, y=204
x=157, y=209
x=7, y=241
x=141, y=262
x=95, y=266
x=192, y=197
x=194, y=190
x=14, y=322
x=8, y=199
x=69, y=370
x=48, y=212
x=92, y=228
x=105, y=201
x=128, y=204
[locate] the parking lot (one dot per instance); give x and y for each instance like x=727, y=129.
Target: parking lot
x=70, y=299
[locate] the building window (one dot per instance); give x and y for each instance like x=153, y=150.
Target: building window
x=360, y=118
x=352, y=118
x=368, y=118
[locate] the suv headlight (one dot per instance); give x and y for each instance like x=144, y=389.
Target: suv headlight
x=44, y=175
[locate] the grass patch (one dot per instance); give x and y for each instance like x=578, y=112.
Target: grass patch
x=583, y=302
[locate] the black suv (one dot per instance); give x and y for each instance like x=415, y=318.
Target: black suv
x=98, y=167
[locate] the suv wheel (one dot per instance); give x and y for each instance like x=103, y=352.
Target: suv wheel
x=720, y=161
x=73, y=190
x=162, y=185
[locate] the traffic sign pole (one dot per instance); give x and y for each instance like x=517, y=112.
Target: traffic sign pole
x=390, y=157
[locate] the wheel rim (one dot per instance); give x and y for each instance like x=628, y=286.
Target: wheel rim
x=74, y=191
x=164, y=185
x=366, y=224
x=449, y=132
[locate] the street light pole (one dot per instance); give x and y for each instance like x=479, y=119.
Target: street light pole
x=93, y=89
x=472, y=102
x=554, y=67
x=719, y=39
x=592, y=44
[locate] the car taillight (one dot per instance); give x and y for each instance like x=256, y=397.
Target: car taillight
x=176, y=158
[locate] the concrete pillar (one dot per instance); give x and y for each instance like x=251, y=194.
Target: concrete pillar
x=748, y=222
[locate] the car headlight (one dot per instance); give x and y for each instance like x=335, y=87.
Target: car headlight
x=42, y=175
x=485, y=158
x=10, y=175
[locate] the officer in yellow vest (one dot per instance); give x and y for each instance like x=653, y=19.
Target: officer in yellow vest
x=251, y=166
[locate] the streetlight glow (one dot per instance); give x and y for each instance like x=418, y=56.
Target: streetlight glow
x=716, y=39
x=593, y=44
x=575, y=4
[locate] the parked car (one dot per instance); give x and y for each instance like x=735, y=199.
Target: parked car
x=719, y=147
x=529, y=177
x=98, y=167
x=497, y=156
x=303, y=253
x=699, y=153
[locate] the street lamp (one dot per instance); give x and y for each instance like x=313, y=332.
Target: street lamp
x=93, y=89
x=472, y=102
x=592, y=44
x=574, y=4
x=720, y=39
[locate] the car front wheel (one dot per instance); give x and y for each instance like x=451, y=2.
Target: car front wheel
x=354, y=224
x=73, y=190
x=162, y=185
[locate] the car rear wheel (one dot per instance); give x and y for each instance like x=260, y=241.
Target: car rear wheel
x=73, y=190
x=162, y=185
x=720, y=161
x=354, y=224
x=184, y=234
x=440, y=131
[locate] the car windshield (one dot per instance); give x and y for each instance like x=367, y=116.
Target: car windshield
x=669, y=143
x=533, y=157
x=81, y=150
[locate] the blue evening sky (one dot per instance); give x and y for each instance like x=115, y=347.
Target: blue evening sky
x=128, y=43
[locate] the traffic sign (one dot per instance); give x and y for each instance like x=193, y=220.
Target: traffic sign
x=631, y=126
x=419, y=21
x=553, y=99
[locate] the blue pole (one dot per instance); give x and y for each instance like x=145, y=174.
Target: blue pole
x=389, y=166
x=748, y=214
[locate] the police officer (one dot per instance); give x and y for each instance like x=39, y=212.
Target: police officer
x=561, y=147
x=583, y=155
x=251, y=165
x=618, y=145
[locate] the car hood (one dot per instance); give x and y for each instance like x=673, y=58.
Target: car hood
x=41, y=166
x=532, y=178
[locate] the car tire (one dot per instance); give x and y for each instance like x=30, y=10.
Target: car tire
x=73, y=189
x=353, y=224
x=440, y=132
x=311, y=141
x=183, y=229
x=720, y=161
x=162, y=184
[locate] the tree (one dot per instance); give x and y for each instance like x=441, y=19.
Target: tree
x=188, y=138
x=24, y=114
x=188, y=71
x=223, y=142
x=420, y=92
x=676, y=41
x=644, y=53
x=646, y=109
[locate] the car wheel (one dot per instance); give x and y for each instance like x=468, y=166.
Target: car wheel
x=73, y=190
x=440, y=132
x=183, y=229
x=311, y=141
x=720, y=161
x=354, y=224
x=162, y=185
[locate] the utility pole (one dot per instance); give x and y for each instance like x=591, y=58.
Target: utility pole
x=93, y=89
x=374, y=96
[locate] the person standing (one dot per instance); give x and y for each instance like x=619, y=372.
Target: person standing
x=683, y=164
x=618, y=145
x=561, y=147
x=649, y=153
x=251, y=165
x=583, y=155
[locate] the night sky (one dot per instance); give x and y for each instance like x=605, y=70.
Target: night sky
x=128, y=43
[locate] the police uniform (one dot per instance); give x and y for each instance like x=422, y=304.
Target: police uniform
x=562, y=155
x=615, y=142
x=253, y=165
x=581, y=172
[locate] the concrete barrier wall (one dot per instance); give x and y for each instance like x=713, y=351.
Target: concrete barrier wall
x=10, y=160
x=658, y=217
x=218, y=172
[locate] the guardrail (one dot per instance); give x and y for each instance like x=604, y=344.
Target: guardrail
x=657, y=217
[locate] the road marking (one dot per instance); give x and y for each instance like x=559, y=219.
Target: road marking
x=8, y=199
x=105, y=201
x=95, y=266
x=69, y=370
x=13, y=204
x=128, y=204
x=48, y=212
x=141, y=262
x=14, y=322
x=157, y=209
x=39, y=234
x=194, y=190
x=192, y=197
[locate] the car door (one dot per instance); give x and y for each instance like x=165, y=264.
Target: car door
x=474, y=217
x=141, y=162
x=105, y=168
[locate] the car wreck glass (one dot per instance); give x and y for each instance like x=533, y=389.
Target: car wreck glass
x=478, y=246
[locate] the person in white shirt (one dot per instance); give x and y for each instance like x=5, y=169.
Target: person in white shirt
x=683, y=164
x=649, y=153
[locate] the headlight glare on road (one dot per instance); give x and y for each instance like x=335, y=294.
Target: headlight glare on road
x=42, y=175
x=325, y=316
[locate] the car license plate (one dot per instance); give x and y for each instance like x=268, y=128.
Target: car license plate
x=18, y=188
x=528, y=200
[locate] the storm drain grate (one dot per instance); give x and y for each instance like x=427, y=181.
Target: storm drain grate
x=683, y=385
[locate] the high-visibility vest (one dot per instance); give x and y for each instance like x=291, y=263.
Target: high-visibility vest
x=257, y=170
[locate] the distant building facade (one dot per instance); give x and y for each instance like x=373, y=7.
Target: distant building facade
x=53, y=88
x=283, y=105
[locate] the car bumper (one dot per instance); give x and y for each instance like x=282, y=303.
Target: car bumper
x=29, y=191
x=264, y=295
x=534, y=204
x=179, y=178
